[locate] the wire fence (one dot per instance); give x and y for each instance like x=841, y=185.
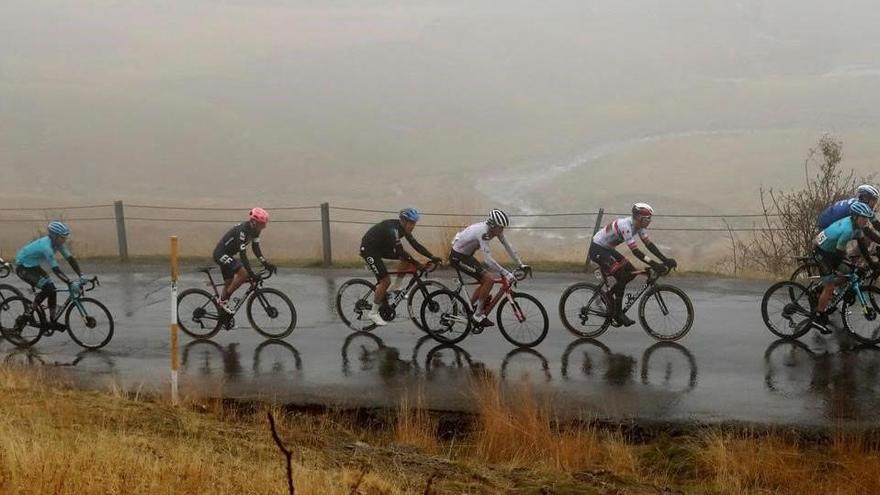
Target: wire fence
x=145, y=221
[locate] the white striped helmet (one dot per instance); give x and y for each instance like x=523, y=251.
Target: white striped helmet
x=498, y=217
x=868, y=190
x=642, y=209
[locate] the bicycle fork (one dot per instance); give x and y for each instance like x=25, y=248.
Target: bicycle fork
x=517, y=310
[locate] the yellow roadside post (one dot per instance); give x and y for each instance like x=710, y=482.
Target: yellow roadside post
x=174, y=395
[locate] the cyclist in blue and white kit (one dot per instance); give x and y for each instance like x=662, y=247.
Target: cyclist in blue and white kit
x=31, y=256
x=865, y=193
x=830, y=250
x=466, y=243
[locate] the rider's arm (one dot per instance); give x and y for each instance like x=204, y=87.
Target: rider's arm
x=862, y=243
x=246, y=262
x=872, y=234
x=75, y=265
x=655, y=250
x=510, y=251
x=58, y=273
x=258, y=250
x=489, y=260
x=418, y=246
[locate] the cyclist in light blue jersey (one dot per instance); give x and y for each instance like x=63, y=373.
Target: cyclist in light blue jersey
x=29, y=259
x=866, y=193
x=830, y=250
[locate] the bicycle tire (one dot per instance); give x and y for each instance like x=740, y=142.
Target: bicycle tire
x=790, y=303
x=450, y=309
x=7, y=291
x=517, y=308
x=271, y=311
x=805, y=272
x=414, y=308
x=872, y=336
x=358, y=320
x=591, y=297
x=13, y=321
x=90, y=321
x=655, y=294
x=200, y=315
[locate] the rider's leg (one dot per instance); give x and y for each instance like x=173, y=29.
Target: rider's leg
x=381, y=289
x=403, y=266
x=230, y=286
x=623, y=274
x=377, y=266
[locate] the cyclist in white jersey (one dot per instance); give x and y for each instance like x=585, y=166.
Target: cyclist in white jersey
x=604, y=253
x=466, y=243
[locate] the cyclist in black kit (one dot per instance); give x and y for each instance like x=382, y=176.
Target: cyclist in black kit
x=383, y=241
x=235, y=242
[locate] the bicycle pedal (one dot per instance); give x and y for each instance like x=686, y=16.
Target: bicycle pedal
x=477, y=330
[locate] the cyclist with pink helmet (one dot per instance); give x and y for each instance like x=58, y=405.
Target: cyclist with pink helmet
x=234, y=243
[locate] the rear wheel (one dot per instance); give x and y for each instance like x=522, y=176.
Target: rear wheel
x=447, y=316
x=666, y=313
x=7, y=291
x=583, y=310
x=862, y=318
x=805, y=273
x=21, y=323
x=354, y=300
x=522, y=320
x=273, y=315
x=91, y=326
x=784, y=308
x=198, y=315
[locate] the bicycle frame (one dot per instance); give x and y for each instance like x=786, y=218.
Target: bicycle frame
x=252, y=286
x=505, y=291
x=73, y=299
x=417, y=275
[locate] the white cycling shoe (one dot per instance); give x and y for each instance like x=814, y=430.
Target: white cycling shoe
x=377, y=319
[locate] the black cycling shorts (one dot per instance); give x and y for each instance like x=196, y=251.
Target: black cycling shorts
x=35, y=277
x=828, y=262
x=229, y=266
x=375, y=264
x=467, y=264
x=609, y=260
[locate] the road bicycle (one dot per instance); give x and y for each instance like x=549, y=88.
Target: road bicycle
x=788, y=308
x=522, y=319
x=6, y=290
x=665, y=311
x=88, y=322
x=808, y=269
x=354, y=299
x=269, y=311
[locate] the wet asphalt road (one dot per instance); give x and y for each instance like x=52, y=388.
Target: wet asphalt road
x=728, y=368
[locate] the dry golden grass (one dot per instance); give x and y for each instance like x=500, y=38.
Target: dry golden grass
x=57, y=440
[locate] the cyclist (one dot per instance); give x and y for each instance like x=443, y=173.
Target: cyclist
x=466, y=243
x=383, y=241
x=865, y=193
x=28, y=263
x=613, y=264
x=235, y=242
x=830, y=249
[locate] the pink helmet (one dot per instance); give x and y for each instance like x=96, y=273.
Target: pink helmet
x=259, y=215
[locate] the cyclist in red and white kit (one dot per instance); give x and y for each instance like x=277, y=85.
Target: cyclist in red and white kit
x=613, y=264
x=466, y=243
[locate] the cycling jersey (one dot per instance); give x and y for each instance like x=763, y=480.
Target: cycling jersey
x=236, y=241
x=476, y=237
x=40, y=251
x=619, y=231
x=835, y=212
x=383, y=240
x=837, y=235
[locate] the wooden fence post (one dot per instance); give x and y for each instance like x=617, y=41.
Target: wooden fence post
x=120, y=231
x=325, y=230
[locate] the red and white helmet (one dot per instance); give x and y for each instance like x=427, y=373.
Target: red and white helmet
x=259, y=215
x=642, y=210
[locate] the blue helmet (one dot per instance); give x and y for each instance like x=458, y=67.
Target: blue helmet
x=861, y=209
x=57, y=228
x=410, y=214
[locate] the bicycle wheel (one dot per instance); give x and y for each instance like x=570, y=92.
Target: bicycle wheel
x=7, y=291
x=20, y=322
x=666, y=313
x=353, y=302
x=447, y=316
x=784, y=306
x=525, y=323
x=805, y=272
x=92, y=325
x=417, y=296
x=583, y=311
x=198, y=314
x=274, y=316
x=862, y=319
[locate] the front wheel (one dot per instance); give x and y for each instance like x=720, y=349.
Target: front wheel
x=416, y=298
x=274, y=315
x=354, y=300
x=446, y=316
x=92, y=325
x=21, y=323
x=666, y=313
x=784, y=308
x=584, y=311
x=862, y=318
x=525, y=322
x=198, y=314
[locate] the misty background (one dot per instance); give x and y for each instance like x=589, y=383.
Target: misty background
x=691, y=105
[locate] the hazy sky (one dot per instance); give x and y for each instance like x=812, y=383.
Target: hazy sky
x=355, y=100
